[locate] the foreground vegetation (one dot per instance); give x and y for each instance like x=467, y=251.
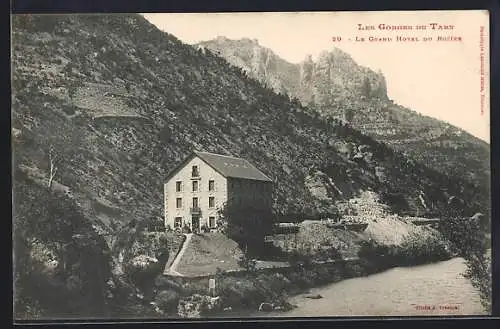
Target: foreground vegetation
x=65, y=268
x=468, y=238
x=413, y=250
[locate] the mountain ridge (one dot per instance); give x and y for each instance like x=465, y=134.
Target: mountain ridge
x=336, y=86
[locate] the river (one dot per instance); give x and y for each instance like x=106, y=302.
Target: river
x=426, y=290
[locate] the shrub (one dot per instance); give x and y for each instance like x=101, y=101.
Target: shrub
x=247, y=263
x=247, y=225
x=205, y=229
x=467, y=238
x=330, y=253
x=153, y=224
x=370, y=249
x=297, y=259
x=186, y=229
x=167, y=300
x=416, y=249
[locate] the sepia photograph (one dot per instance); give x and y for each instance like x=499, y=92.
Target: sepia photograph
x=250, y=165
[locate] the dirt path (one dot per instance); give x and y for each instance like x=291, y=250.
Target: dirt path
x=173, y=268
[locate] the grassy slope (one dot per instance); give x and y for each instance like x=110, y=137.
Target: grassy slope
x=205, y=253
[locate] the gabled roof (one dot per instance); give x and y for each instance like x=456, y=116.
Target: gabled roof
x=227, y=166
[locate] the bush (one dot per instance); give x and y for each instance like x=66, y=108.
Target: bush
x=328, y=254
x=153, y=224
x=167, y=300
x=247, y=225
x=414, y=249
x=205, y=229
x=186, y=229
x=370, y=249
x=296, y=259
x=247, y=263
x=468, y=240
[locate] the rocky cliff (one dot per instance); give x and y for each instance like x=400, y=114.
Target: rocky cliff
x=336, y=86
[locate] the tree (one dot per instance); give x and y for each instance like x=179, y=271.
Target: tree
x=61, y=149
x=54, y=159
x=246, y=224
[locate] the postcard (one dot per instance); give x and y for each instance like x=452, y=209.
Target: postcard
x=251, y=165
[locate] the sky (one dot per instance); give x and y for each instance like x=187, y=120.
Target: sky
x=441, y=79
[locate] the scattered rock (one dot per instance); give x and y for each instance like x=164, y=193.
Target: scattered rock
x=156, y=308
x=363, y=148
x=266, y=307
x=196, y=306
x=142, y=262
x=16, y=133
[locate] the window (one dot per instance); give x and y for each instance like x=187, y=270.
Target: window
x=178, y=202
x=211, y=185
x=195, y=202
x=211, y=222
x=195, y=186
x=177, y=222
x=178, y=186
x=195, y=172
x=211, y=202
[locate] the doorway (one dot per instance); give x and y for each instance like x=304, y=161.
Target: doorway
x=195, y=224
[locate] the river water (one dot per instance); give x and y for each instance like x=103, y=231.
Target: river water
x=427, y=290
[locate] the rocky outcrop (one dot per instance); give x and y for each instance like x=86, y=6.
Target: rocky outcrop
x=333, y=75
x=257, y=61
x=336, y=86
x=197, y=306
x=142, y=263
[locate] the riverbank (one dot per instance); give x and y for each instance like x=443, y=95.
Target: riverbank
x=424, y=290
x=246, y=291
x=326, y=256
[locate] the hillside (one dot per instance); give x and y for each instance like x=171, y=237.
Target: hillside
x=116, y=104
x=133, y=101
x=337, y=86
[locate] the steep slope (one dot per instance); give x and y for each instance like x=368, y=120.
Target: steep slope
x=126, y=102
x=337, y=86
x=259, y=62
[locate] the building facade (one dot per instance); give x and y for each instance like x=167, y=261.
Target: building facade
x=204, y=182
